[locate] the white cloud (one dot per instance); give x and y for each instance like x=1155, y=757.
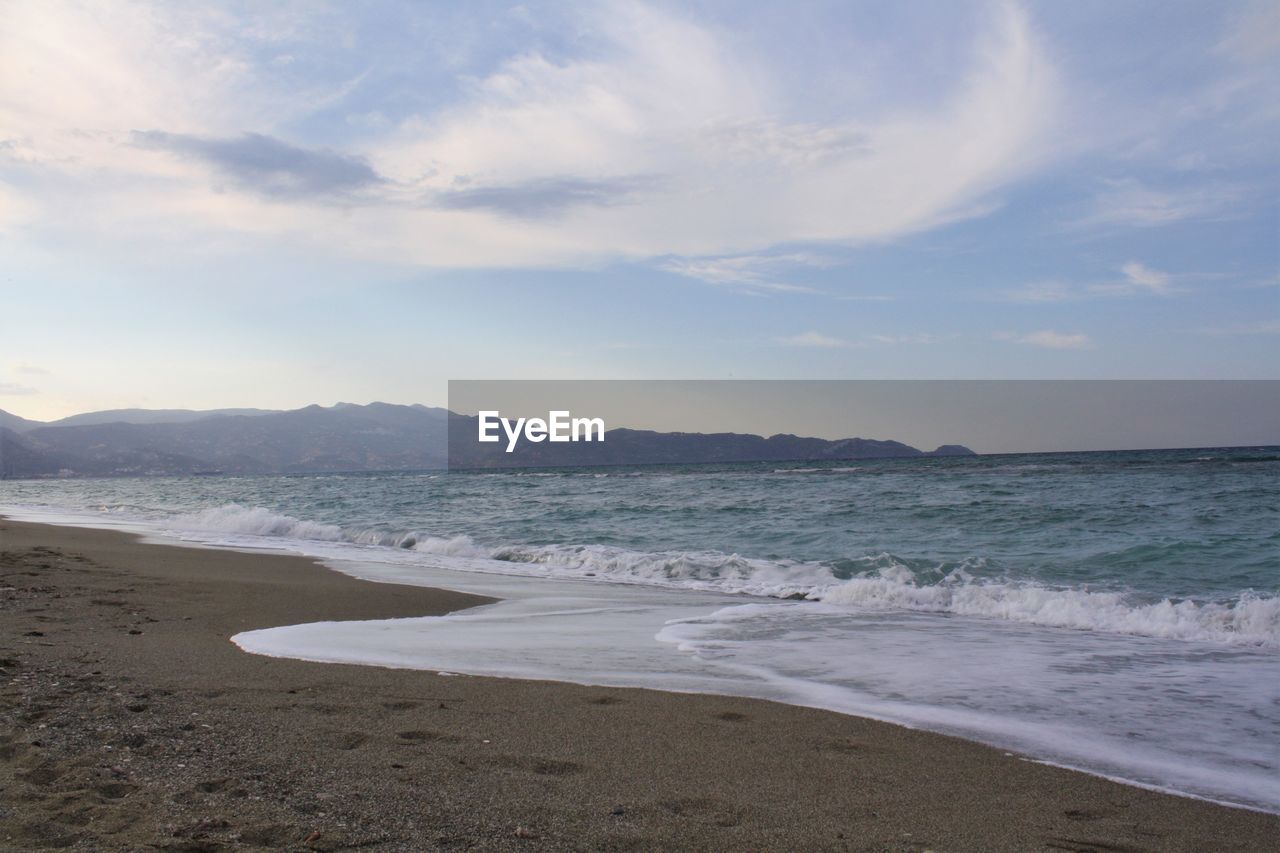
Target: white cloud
x=814, y=339
x=747, y=272
x=1143, y=276
x=1040, y=292
x=1138, y=278
x=918, y=338
x=662, y=138
x=1048, y=339
x=1129, y=203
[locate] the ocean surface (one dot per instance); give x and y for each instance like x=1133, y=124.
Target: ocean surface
x=1113, y=612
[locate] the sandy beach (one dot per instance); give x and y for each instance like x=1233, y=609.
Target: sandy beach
x=131, y=722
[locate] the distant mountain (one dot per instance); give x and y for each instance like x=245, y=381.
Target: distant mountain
x=18, y=458
x=15, y=423
x=152, y=416
x=376, y=437
x=952, y=450
x=646, y=447
x=128, y=416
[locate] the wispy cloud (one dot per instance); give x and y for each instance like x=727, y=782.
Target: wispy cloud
x=14, y=389
x=754, y=273
x=815, y=339
x=269, y=166
x=1039, y=292
x=1265, y=327
x=31, y=369
x=1128, y=202
x=918, y=338
x=543, y=197
x=771, y=141
x=1048, y=339
x=1142, y=276
x=1254, y=32
x=1136, y=278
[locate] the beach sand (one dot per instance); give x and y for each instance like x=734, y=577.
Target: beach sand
x=131, y=722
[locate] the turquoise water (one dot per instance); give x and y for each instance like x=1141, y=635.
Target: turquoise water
x=1118, y=612
x=1194, y=524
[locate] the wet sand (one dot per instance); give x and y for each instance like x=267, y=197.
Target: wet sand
x=130, y=721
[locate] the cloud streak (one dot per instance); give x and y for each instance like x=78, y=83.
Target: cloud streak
x=814, y=340
x=268, y=166
x=750, y=273
x=1137, y=279
x=14, y=389
x=1143, y=277
x=542, y=198
x=1265, y=327
x=1130, y=203
x=1048, y=339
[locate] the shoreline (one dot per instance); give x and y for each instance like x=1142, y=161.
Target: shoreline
x=119, y=645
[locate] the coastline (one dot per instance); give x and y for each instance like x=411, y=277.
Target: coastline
x=132, y=720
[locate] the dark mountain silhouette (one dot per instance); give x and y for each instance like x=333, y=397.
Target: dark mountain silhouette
x=351, y=438
x=18, y=458
x=15, y=423
x=646, y=447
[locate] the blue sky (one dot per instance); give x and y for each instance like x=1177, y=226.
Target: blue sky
x=211, y=205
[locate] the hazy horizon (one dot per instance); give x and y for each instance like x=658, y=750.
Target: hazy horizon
x=987, y=416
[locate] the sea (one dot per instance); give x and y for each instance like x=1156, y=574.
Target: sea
x=1118, y=613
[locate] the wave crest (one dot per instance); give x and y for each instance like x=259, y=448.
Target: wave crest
x=873, y=582
x=1249, y=620
x=256, y=521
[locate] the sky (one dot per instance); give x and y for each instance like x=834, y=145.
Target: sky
x=253, y=204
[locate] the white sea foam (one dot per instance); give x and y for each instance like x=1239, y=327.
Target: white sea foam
x=1250, y=620
x=256, y=521
x=883, y=582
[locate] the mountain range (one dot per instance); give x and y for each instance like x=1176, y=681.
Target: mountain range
x=351, y=438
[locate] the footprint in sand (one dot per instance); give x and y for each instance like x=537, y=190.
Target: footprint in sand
x=706, y=809
x=212, y=786
x=731, y=717
x=115, y=790
x=348, y=740
x=534, y=764
x=420, y=736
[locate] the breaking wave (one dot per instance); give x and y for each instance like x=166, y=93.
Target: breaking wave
x=256, y=521
x=1250, y=619
x=879, y=582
